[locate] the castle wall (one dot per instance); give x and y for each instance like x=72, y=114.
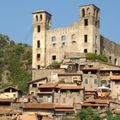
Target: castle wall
x=111, y=50
x=82, y=37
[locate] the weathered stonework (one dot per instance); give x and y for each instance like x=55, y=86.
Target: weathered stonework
x=111, y=50
x=51, y=45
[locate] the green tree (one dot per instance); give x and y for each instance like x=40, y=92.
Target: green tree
x=111, y=116
x=102, y=58
x=88, y=114
x=91, y=56
x=55, y=64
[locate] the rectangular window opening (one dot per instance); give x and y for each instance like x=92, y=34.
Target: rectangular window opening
x=54, y=57
x=38, y=28
x=85, y=38
x=86, y=22
x=63, y=37
x=85, y=50
x=38, y=57
x=38, y=44
x=53, y=38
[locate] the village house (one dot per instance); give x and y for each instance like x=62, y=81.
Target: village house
x=115, y=86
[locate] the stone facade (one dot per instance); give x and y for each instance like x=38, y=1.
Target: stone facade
x=111, y=49
x=83, y=37
x=52, y=44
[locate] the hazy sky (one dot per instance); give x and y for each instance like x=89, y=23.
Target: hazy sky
x=16, y=16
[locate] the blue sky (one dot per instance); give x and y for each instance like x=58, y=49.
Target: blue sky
x=16, y=16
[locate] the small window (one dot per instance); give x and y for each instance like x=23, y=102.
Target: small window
x=85, y=38
x=73, y=42
x=63, y=37
x=54, y=44
x=32, y=93
x=40, y=17
x=115, y=61
x=38, y=66
x=53, y=38
x=85, y=51
x=38, y=44
x=54, y=57
x=86, y=81
x=95, y=51
x=63, y=43
x=34, y=85
x=36, y=18
x=110, y=57
x=95, y=81
x=86, y=22
x=38, y=57
x=38, y=28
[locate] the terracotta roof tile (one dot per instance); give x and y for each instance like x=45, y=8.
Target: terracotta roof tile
x=7, y=111
x=38, y=106
x=7, y=100
x=72, y=87
x=48, y=106
x=115, y=77
x=90, y=90
x=50, y=85
x=27, y=117
x=63, y=106
x=99, y=101
x=64, y=110
x=7, y=118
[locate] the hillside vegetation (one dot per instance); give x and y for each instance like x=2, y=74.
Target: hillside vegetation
x=15, y=63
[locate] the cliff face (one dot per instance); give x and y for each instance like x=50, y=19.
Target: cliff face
x=111, y=49
x=15, y=63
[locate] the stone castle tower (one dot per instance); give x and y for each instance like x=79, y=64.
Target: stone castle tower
x=41, y=23
x=54, y=44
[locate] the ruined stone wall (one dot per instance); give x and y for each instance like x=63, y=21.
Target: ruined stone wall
x=111, y=50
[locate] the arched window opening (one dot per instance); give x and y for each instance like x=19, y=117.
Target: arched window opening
x=83, y=12
x=38, y=57
x=88, y=11
x=40, y=17
x=115, y=61
x=36, y=18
